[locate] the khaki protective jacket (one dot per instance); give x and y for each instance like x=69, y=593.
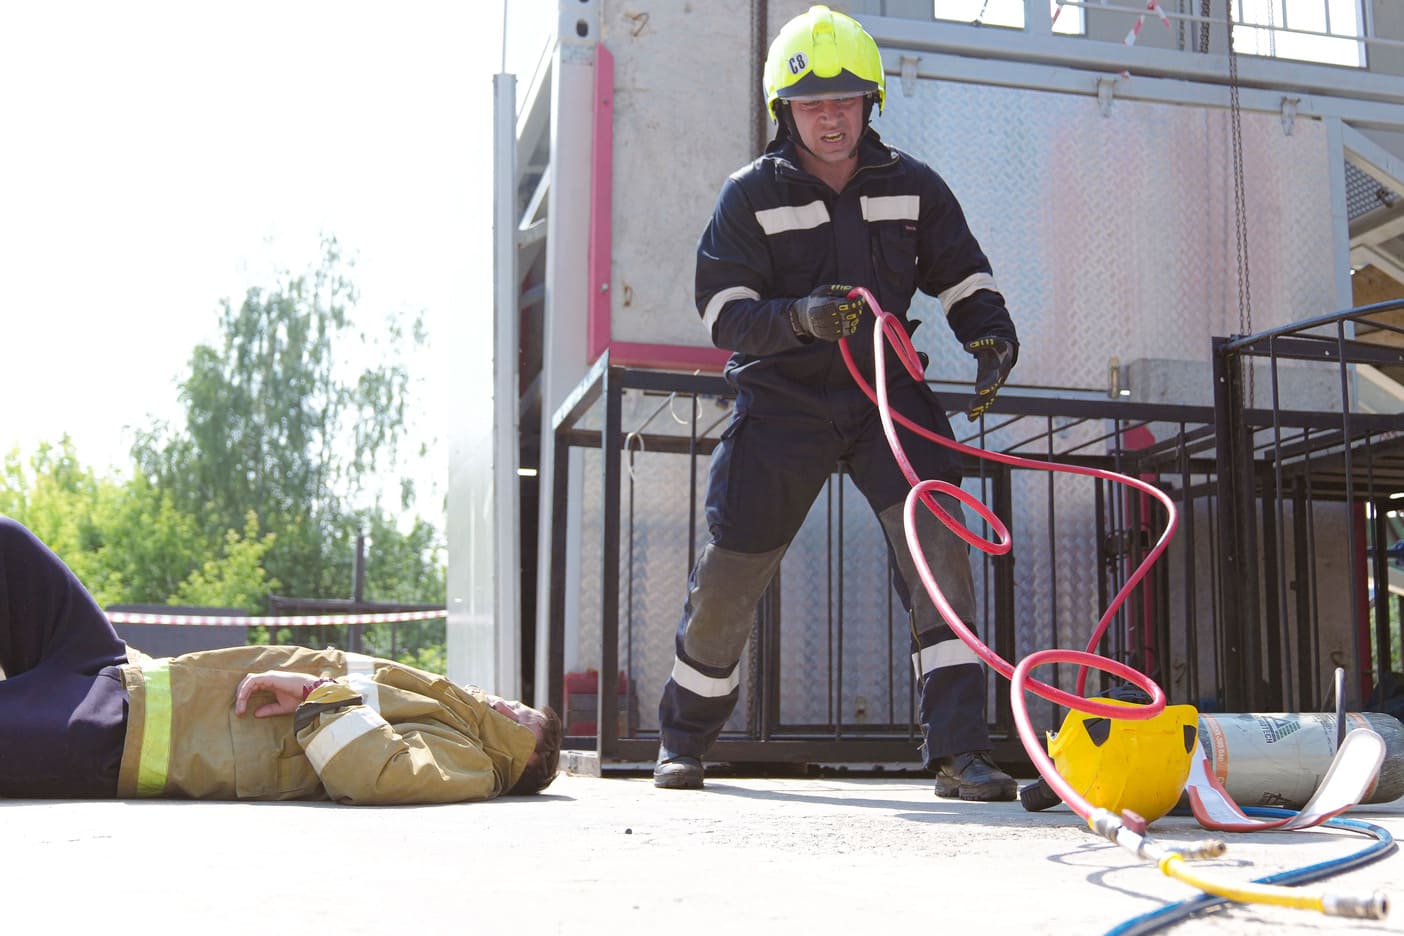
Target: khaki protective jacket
x=380, y=734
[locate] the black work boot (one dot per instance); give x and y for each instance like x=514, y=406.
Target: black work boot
x=677, y=771
x=973, y=776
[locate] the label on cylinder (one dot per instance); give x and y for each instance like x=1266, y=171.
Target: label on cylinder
x=1271, y=758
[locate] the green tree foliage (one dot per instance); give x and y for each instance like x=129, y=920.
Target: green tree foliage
x=276, y=428
x=128, y=543
x=264, y=490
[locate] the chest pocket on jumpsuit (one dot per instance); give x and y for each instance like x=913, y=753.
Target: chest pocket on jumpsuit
x=799, y=259
x=894, y=246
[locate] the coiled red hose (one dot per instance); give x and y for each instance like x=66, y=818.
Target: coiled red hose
x=889, y=328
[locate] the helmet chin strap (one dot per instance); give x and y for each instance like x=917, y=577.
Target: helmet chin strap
x=787, y=126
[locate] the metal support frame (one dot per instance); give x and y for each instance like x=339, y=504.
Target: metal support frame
x=1272, y=459
x=596, y=400
x=1261, y=471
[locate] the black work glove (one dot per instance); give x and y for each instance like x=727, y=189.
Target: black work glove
x=827, y=313
x=994, y=359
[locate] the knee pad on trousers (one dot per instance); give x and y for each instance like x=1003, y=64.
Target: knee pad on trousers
x=721, y=602
x=947, y=555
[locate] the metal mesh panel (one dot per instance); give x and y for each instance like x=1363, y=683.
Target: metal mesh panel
x=1114, y=236
x=844, y=646
x=655, y=559
x=1364, y=194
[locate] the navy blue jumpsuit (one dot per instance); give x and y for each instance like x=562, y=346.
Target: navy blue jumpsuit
x=777, y=234
x=63, y=708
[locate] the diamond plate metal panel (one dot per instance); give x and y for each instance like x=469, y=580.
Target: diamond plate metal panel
x=1110, y=236
x=1114, y=236
x=1056, y=553
x=656, y=492
x=844, y=644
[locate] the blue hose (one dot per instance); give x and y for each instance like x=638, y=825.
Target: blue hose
x=1167, y=916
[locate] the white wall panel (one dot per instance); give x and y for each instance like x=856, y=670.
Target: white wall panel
x=684, y=108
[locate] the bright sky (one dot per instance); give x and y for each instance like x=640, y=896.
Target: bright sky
x=161, y=156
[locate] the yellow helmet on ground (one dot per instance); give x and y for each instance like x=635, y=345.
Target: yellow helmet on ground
x=1119, y=763
x=822, y=53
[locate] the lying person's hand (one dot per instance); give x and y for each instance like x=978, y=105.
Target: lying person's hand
x=288, y=689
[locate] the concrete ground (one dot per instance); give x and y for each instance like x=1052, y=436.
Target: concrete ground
x=837, y=854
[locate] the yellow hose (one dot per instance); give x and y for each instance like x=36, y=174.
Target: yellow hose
x=1358, y=906
x=1171, y=861
x=1174, y=866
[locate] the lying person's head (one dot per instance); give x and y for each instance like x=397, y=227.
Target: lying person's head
x=545, y=724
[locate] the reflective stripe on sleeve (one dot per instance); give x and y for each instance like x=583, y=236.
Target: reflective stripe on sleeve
x=890, y=207
x=699, y=683
x=715, y=304
x=966, y=288
x=946, y=653
x=155, y=761
x=359, y=663
x=349, y=726
x=793, y=217
x=365, y=687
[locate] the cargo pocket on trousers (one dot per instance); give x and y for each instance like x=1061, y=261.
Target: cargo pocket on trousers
x=724, y=482
x=268, y=761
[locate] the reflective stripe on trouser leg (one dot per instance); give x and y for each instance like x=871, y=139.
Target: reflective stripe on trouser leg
x=950, y=676
x=701, y=693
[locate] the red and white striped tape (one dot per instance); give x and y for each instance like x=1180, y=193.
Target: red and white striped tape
x=295, y=620
x=1152, y=6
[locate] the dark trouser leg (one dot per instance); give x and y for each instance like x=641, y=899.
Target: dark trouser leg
x=62, y=706
x=702, y=690
x=951, y=677
x=61, y=733
x=46, y=615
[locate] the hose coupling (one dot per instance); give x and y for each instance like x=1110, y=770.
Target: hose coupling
x=1361, y=907
x=1201, y=849
x=1105, y=823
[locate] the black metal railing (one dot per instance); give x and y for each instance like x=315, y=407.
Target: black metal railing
x=1308, y=490
x=1076, y=541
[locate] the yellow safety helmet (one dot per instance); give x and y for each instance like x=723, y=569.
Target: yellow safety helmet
x=1119, y=763
x=821, y=52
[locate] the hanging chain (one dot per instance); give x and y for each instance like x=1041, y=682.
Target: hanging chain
x=1240, y=199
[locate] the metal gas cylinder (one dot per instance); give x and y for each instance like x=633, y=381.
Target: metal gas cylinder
x=1280, y=758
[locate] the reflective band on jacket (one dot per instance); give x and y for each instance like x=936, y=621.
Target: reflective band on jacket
x=359, y=663
x=699, y=683
x=360, y=676
x=714, y=307
x=365, y=687
x=155, y=759
x=792, y=217
x=966, y=288
x=890, y=207
x=348, y=727
x=952, y=652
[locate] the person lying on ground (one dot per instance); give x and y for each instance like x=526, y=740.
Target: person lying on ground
x=82, y=715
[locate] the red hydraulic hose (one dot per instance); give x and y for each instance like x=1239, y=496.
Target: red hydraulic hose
x=1127, y=830
x=888, y=326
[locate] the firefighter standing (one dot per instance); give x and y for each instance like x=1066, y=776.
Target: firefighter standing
x=827, y=207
